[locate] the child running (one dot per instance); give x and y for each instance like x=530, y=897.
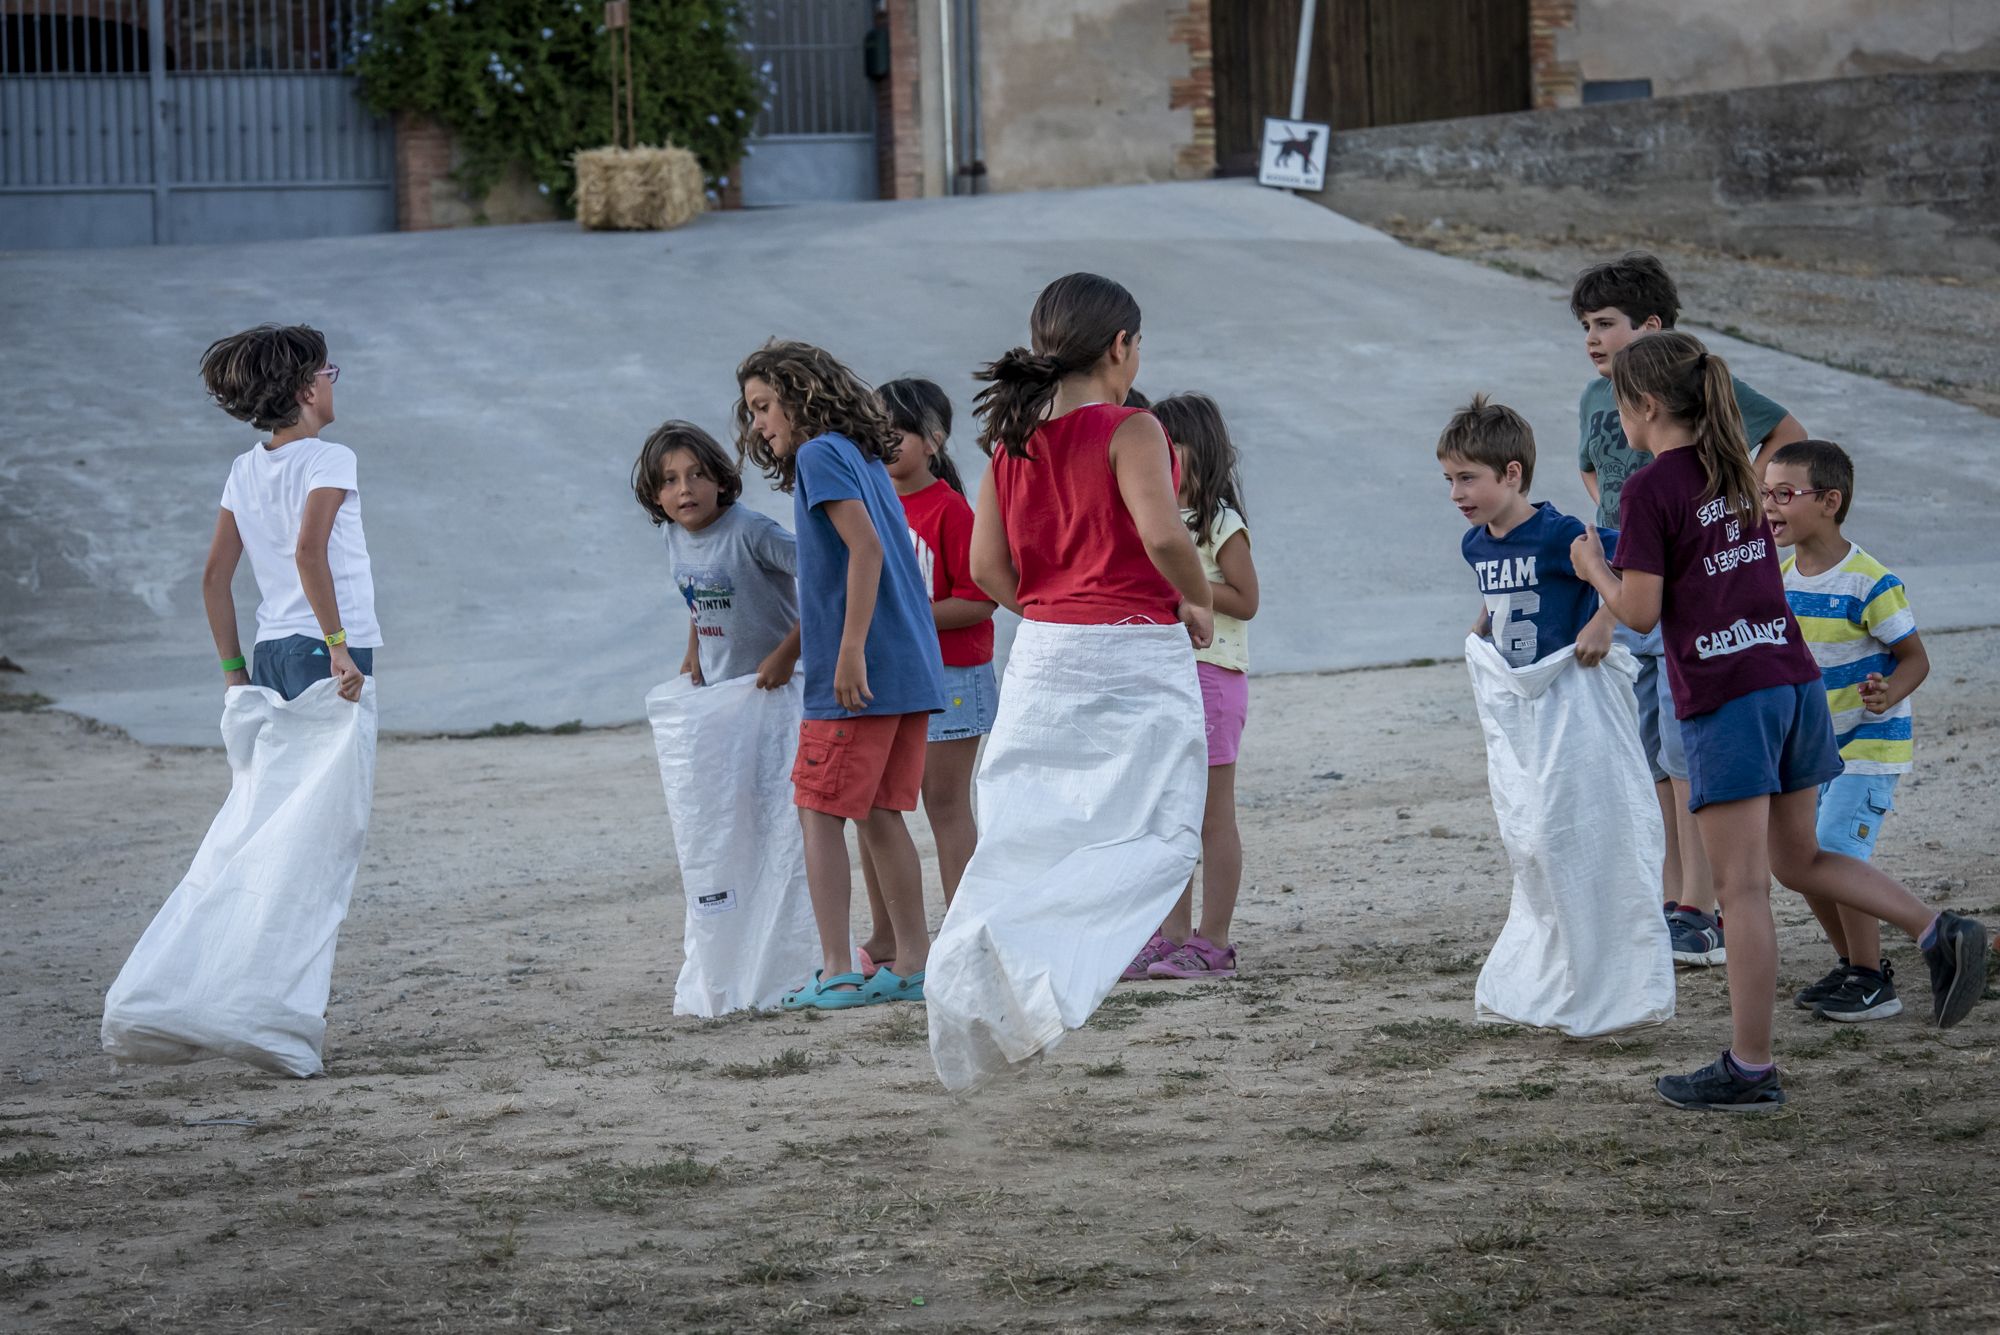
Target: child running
x=870, y=651
x=1212, y=508
x=1616, y=302
x=1696, y=558
x=736, y=568
x=1857, y=622
x=1090, y=794
x=294, y=504
x=940, y=521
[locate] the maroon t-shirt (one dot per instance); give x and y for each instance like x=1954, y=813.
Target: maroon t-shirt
x=1724, y=620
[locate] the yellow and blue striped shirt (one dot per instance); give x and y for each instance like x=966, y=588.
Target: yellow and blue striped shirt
x=1850, y=615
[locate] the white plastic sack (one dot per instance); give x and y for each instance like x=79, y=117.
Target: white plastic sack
x=726, y=763
x=239, y=961
x=1585, y=950
x=1090, y=803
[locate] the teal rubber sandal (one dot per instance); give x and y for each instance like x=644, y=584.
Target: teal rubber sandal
x=888, y=985
x=822, y=996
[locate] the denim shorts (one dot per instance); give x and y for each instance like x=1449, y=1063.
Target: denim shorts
x=1777, y=740
x=971, y=700
x=1851, y=811
x=290, y=665
x=1663, y=747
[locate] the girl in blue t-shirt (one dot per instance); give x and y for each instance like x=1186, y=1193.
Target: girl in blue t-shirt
x=872, y=670
x=1697, y=558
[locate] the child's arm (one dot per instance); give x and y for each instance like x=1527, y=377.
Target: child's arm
x=224, y=551
x=316, y=577
x=777, y=668
x=864, y=580
x=1235, y=593
x=1788, y=429
x=958, y=613
x=691, y=665
x=992, y=564
x=1590, y=485
x=1593, y=642
x=1634, y=599
x=1139, y=462
x=1880, y=694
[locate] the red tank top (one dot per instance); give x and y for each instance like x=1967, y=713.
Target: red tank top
x=1078, y=552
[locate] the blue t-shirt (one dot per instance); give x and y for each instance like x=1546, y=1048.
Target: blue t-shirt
x=905, y=672
x=1538, y=603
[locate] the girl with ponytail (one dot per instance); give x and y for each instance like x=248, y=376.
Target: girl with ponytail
x=1696, y=557
x=1094, y=778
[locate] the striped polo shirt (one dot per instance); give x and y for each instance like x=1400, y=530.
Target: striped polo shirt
x=1850, y=615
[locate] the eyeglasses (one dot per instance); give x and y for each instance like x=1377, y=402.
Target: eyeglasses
x=331, y=372
x=1784, y=494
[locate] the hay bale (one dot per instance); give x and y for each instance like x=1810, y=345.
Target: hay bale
x=638, y=189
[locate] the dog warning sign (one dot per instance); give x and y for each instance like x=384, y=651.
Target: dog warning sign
x=1294, y=154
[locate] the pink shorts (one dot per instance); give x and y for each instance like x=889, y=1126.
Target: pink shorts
x=1225, y=704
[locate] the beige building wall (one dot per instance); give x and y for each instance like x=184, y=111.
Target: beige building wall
x=1699, y=46
x=1083, y=92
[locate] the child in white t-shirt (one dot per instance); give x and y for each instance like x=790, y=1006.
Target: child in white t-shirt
x=291, y=503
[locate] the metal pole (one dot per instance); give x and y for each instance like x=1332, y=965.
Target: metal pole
x=1308, y=11
x=948, y=56
x=162, y=118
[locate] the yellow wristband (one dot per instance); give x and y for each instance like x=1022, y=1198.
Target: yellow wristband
x=338, y=637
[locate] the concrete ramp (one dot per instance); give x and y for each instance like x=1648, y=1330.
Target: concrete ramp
x=497, y=384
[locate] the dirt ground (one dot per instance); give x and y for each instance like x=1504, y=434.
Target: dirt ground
x=1933, y=333
x=515, y=1133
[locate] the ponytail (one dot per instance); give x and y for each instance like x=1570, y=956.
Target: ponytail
x=1076, y=320
x=1693, y=386
x=1011, y=407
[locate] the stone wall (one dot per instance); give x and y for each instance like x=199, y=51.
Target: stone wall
x=1896, y=171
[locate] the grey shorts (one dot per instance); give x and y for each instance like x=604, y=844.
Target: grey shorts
x=1665, y=752
x=290, y=665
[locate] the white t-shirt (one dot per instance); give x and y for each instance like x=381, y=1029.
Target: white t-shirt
x=1231, y=646
x=266, y=492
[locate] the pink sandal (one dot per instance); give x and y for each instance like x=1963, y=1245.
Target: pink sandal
x=1149, y=954
x=1197, y=959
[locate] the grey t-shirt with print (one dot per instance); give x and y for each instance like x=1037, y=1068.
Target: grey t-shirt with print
x=740, y=579
x=1602, y=449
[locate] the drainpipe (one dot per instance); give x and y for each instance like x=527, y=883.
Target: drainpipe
x=977, y=168
x=947, y=100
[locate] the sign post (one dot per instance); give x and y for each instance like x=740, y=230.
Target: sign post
x=1293, y=153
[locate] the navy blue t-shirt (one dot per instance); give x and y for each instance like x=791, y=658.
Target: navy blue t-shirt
x=1538, y=603
x=905, y=672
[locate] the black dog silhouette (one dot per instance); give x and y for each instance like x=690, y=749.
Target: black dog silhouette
x=1301, y=148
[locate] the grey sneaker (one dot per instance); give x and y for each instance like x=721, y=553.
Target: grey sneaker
x=1863, y=995
x=1697, y=938
x=1808, y=997
x=1718, y=1088
x=1958, y=968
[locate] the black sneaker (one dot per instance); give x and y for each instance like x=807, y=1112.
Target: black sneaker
x=1697, y=938
x=1808, y=997
x=1863, y=995
x=1718, y=1088
x=1958, y=968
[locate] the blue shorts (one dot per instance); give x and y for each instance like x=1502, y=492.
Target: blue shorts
x=971, y=700
x=1851, y=811
x=290, y=665
x=1777, y=740
x=1664, y=751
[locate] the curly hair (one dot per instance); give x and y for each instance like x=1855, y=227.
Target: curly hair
x=257, y=376
x=1209, y=478
x=708, y=454
x=821, y=396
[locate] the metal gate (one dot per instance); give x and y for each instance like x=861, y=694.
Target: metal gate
x=128, y=122
x=816, y=138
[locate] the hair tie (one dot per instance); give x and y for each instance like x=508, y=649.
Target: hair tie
x=1701, y=363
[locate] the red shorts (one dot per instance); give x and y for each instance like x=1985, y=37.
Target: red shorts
x=849, y=766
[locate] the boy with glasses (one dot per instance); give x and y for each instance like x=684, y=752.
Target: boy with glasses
x=293, y=504
x=1856, y=619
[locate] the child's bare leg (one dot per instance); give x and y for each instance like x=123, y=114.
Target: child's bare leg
x=1864, y=938
x=1804, y=866
x=1698, y=888
x=1179, y=925
x=948, y=805
x=887, y=841
x=1830, y=922
x=1738, y=832
x=1670, y=869
x=1221, y=856
x=881, y=942
x=830, y=886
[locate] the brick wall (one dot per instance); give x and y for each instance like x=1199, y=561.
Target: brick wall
x=423, y=157
x=1557, y=79
x=899, y=149
x=1196, y=89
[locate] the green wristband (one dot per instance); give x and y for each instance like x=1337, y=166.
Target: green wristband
x=233, y=664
